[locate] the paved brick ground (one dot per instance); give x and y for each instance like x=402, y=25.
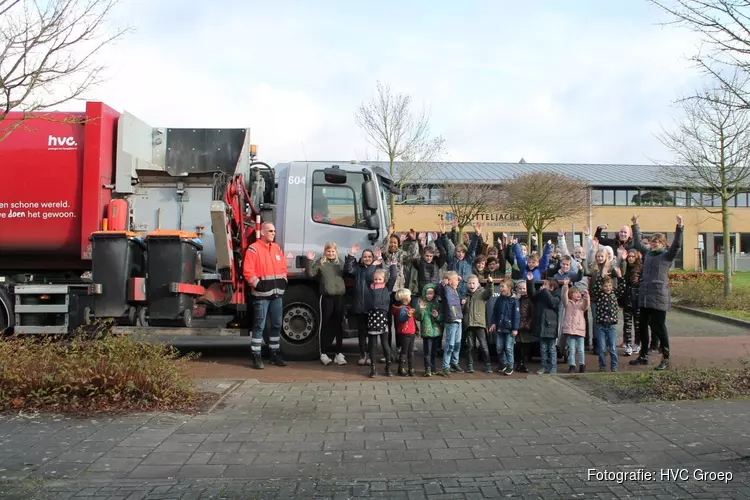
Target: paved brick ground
x=532, y=438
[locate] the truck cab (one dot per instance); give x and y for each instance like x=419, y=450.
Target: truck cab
x=320, y=202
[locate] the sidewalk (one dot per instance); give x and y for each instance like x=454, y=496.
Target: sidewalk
x=436, y=439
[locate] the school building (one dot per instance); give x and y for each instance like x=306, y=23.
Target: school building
x=618, y=192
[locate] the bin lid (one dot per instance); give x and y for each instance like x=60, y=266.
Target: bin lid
x=114, y=234
x=166, y=233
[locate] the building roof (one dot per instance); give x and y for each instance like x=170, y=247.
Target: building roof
x=597, y=175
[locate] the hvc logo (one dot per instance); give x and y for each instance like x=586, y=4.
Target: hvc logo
x=61, y=143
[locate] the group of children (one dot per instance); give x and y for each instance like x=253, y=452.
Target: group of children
x=458, y=300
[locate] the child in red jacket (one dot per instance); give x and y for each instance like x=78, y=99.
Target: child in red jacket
x=406, y=329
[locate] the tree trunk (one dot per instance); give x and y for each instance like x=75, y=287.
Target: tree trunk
x=392, y=197
x=529, y=232
x=727, y=249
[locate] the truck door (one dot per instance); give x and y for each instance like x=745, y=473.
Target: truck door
x=335, y=213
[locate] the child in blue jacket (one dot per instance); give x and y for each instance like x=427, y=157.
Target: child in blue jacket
x=505, y=321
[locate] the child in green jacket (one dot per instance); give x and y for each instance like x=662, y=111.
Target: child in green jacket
x=430, y=316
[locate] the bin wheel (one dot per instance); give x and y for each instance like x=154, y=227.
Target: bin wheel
x=142, y=317
x=187, y=318
x=87, y=315
x=132, y=316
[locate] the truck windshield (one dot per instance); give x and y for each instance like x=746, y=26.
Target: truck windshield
x=385, y=197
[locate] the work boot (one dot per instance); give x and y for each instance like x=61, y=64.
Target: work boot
x=276, y=359
x=257, y=362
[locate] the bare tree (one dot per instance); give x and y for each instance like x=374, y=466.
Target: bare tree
x=723, y=26
x=402, y=135
x=467, y=201
x=47, y=53
x=711, y=146
x=538, y=199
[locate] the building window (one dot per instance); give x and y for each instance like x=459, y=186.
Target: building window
x=338, y=204
x=742, y=199
x=634, y=197
x=608, y=197
x=596, y=197
x=621, y=198
x=656, y=198
x=680, y=198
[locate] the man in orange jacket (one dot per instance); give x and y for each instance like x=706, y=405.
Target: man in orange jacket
x=265, y=271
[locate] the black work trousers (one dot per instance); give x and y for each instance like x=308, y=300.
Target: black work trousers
x=657, y=321
x=332, y=309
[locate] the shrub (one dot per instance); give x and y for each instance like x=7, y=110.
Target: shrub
x=707, y=290
x=674, y=385
x=104, y=373
x=675, y=278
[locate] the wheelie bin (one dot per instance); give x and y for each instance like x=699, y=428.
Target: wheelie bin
x=118, y=260
x=172, y=279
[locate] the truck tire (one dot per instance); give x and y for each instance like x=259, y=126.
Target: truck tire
x=300, y=324
x=7, y=318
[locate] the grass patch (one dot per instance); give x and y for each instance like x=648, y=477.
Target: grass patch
x=684, y=384
x=93, y=374
x=743, y=315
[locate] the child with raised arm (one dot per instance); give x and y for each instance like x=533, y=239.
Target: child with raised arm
x=462, y=258
x=430, y=317
x=362, y=271
x=506, y=320
x=378, y=301
x=452, y=319
x=606, y=325
x=329, y=270
x=533, y=263
x=576, y=304
x=406, y=329
x=475, y=321
x=627, y=294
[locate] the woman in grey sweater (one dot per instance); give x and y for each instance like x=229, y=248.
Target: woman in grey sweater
x=654, y=299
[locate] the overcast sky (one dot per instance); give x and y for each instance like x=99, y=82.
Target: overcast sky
x=581, y=81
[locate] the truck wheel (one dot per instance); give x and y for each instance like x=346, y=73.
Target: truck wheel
x=299, y=326
x=87, y=316
x=187, y=318
x=7, y=318
x=132, y=316
x=142, y=316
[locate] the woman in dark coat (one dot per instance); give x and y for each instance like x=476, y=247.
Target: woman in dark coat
x=654, y=299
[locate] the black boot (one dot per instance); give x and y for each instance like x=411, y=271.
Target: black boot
x=372, y=370
x=388, y=369
x=582, y=369
x=276, y=359
x=257, y=362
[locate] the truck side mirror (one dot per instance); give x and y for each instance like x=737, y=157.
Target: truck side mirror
x=373, y=221
x=370, y=195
